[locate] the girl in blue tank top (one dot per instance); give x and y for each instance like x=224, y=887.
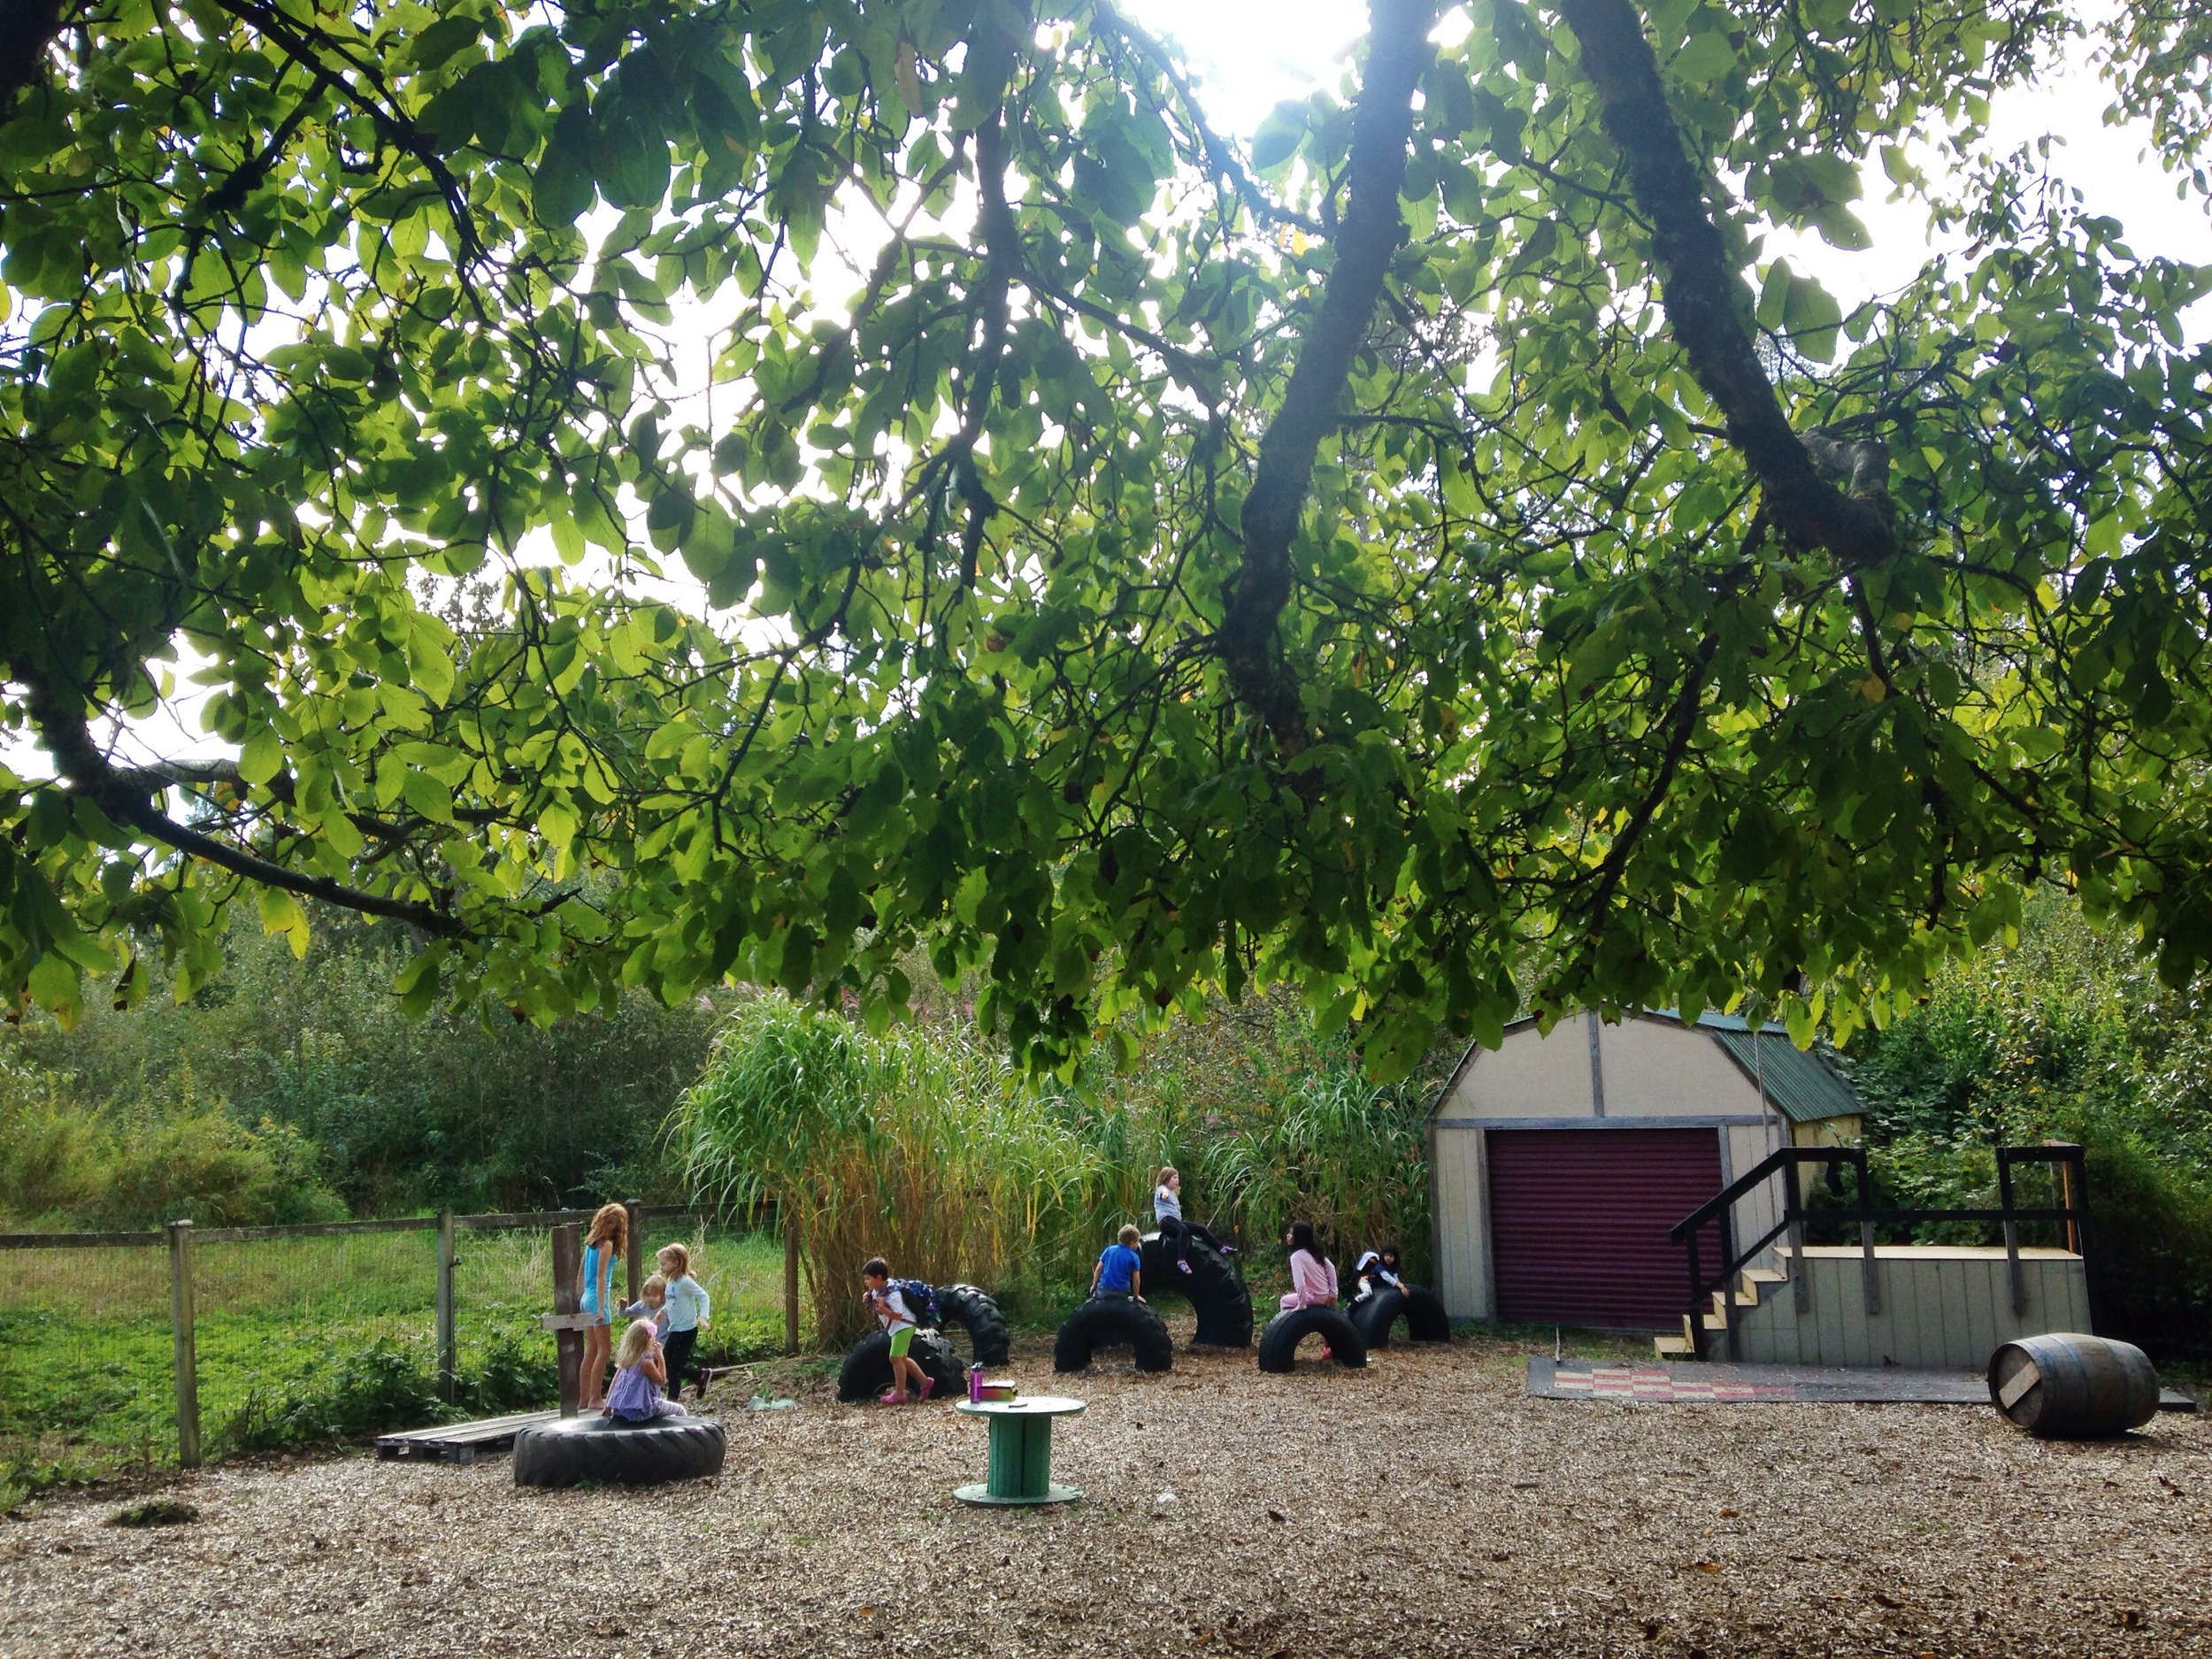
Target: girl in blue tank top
x=603, y=1244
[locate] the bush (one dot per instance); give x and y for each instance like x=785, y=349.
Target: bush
x=2064, y=1035
x=389, y=1384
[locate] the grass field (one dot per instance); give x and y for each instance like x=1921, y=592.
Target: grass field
x=300, y=1339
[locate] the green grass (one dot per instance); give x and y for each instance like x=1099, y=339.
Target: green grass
x=300, y=1339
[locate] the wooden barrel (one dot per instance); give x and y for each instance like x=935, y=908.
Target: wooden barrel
x=2069, y=1387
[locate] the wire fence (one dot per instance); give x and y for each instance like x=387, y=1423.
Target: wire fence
x=298, y=1334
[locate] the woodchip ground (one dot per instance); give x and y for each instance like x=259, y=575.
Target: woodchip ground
x=1425, y=1506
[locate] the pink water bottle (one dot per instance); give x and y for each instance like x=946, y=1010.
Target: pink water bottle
x=975, y=1384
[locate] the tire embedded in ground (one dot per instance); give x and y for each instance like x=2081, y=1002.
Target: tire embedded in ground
x=1278, y=1343
x=975, y=1312
x=1214, y=1288
x=608, y=1450
x=1423, y=1311
x=866, y=1372
x=1109, y=1321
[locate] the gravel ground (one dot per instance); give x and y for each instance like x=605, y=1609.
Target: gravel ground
x=1424, y=1506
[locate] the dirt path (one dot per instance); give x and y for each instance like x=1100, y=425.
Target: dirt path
x=1423, y=1507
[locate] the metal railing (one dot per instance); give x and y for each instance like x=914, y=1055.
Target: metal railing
x=2072, y=1212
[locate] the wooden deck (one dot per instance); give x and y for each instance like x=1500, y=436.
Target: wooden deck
x=461, y=1442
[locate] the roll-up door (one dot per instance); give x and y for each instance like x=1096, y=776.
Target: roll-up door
x=1578, y=1221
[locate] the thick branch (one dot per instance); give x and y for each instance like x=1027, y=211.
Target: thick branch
x=27, y=29
x=1001, y=257
x=125, y=797
x=1371, y=232
x=1700, y=289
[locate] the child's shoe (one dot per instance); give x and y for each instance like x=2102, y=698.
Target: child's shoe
x=1228, y=1249
x=929, y=1387
x=706, y=1376
x=894, y=1397
x=1184, y=1265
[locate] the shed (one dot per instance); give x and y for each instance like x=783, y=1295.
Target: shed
x=1560, y=1160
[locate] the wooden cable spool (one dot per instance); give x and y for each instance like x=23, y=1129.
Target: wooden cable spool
x=2067, y=1385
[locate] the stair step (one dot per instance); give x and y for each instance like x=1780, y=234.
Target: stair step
x=1674, y=1348
x=1765, y=1276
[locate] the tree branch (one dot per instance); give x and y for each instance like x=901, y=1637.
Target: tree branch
x=27, y=29
x=124, y=796
x=1370, y=234
x=1700, y=289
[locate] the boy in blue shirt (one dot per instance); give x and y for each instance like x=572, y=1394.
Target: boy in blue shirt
x=1116, y=1273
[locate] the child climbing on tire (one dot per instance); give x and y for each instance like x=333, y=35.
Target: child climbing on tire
x=1167, y=1210
x=1119, y=1271
x=888, y=1303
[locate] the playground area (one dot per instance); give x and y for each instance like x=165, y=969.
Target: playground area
x=1424, y=1505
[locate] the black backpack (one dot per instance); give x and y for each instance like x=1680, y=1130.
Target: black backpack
x=921, y=1301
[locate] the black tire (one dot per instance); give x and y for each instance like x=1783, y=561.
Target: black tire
x=866, y=1371
x=1106, y=1322
x=975, y=1312
x=1214, y=1288
x=1423, y=1310
x=605, y=1450
x=1278, y=1343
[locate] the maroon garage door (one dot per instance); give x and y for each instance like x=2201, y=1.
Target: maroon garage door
x=1578, y=1221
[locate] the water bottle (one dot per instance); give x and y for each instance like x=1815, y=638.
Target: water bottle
x=975, y=1384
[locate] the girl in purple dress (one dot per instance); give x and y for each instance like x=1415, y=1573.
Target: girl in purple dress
x=639, y=1376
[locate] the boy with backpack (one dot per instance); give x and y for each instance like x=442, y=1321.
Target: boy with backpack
x=901, y=1306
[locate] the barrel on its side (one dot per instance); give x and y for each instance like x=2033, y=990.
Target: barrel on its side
x=2066, y=1385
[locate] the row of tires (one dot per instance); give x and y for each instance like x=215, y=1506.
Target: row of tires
x=1349, y=1333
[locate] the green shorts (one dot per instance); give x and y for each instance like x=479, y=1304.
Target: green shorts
x=901, y=1340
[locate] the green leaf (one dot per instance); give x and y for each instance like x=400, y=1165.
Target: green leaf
x=262, y=757
x=428, y=797
x=1811, y=316
x=1279, y=134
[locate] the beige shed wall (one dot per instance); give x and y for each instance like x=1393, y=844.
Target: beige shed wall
x=1530, y=1076
x=1660, y=1069
x=1461, y=1221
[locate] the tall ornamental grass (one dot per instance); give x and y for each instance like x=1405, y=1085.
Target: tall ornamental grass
x=922, y=1147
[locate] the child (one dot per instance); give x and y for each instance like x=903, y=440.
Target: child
x=1377, y=1269
x=607, y=1238
x=1312, y=1275
x=1118, y=1272
x=686, y=1315
x=652, y=1303
x=885, y=1301
x=1167, y=1210
x=638, y=1378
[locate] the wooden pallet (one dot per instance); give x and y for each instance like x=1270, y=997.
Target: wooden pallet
x=461, y=1442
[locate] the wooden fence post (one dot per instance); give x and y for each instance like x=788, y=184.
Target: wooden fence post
x=567, y=1260
x=187, y=1351
x=449, y=1346
x=636, y=1252
x=790, y=1288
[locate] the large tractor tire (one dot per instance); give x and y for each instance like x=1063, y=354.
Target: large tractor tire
x=866, y=1372
x=1278, y=1343
x=1214, y=1288
x=1109, y=1321
x=605, y=1450
x=975, y=1312
x=1422, y=1311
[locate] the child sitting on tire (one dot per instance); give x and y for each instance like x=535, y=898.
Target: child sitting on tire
x=1119, y=1271
x=638, y=1378
x=1377, y=1269
x=884, y=1300
x=1167, y=1211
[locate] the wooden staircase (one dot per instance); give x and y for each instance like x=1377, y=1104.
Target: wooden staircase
x=1751, y=1284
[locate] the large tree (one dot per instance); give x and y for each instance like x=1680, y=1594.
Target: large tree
x=1428, y=555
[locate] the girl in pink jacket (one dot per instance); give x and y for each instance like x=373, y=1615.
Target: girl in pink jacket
x=1312, y=1275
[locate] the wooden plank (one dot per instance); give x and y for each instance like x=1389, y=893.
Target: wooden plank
x=1829, y=1306
x=78, y=1240
x=568, y=1256
x=1956, y=1344
x=2023, y=1379
x=523, y=1218
x=314, y=1230
x=181, y=1341
x=481, y=1428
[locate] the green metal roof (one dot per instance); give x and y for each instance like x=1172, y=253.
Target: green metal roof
x=1801, y=1085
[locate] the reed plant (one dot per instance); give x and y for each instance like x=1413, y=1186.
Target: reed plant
x=924, y=1146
